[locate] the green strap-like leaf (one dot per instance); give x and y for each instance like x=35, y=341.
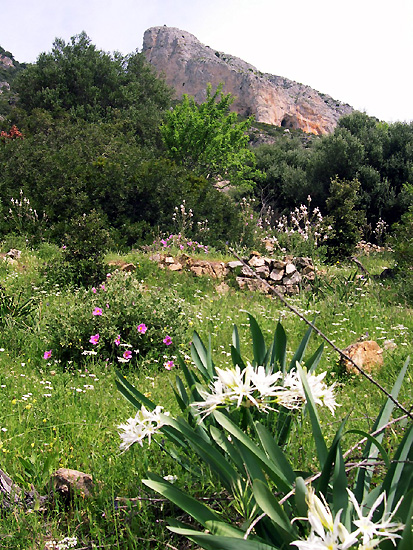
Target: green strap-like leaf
x=300, y=497
x=312, y=363
x=299, y=354
x=279, y=348
x=258, y=344
x=215, y=542
x=133, y=395
x=275, y=473
x=235, y=339
x=205, y=448
x=375, y=442
x=364, y=475
x=406, y=512
x=399, y=479
x=199, y=511
x=199, y=356
x=274, y=452
x=237, y=359
x=320, y=444
x=270, y=505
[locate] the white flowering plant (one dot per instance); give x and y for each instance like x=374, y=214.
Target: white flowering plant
x=231, y=422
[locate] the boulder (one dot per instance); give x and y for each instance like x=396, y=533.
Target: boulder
x=68, y=482
x=367, y=354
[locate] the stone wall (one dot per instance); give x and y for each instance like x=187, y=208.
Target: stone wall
x=289, y=274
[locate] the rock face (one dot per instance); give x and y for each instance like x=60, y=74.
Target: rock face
x=188, y=66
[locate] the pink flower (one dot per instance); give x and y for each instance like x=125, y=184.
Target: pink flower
x=107, y=305
x=168, y=365
x=94, y=290
x=47, y=354
x=117, y=340
x=94, y=339
x=127, y=354
x=102, y=286
x=142, y=328
x=97, y=311
x=108, y=275
x=167, y=340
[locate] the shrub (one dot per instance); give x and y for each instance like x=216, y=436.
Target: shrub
x=82, y=261
x=113, y=310
x=344, y=217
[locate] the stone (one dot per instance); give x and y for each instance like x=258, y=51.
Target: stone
x=389, y=345
x=277, y=274
x=247, y=271
x=367, y=354
x=302, y=262
x=234, y=265
x=263, y=271
x=216, y=270
x=169, y=260
x=128, y=268
x=279, y=264
x=14, y=253
x=122, y=266
x=256, y=261
x=245, y=283
x=154, y=257
x=290, y=268
x=68, y=482
x=175, y=267
x=291, y=289
x=222, y=288
x=189, y=66
x=293, y=279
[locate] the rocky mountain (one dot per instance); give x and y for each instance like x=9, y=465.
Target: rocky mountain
x=188, y=66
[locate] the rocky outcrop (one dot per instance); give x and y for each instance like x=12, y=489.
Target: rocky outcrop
x=188, y=66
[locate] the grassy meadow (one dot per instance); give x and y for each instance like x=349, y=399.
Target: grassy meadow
x=63, y=410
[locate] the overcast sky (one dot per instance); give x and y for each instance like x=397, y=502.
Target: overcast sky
x=358, y=51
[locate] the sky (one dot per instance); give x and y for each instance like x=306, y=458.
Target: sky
x=357, y=51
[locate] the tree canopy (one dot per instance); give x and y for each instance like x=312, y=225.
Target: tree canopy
x=208, y=138
x=77, y=80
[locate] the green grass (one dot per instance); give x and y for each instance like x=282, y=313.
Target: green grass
x=57, y=414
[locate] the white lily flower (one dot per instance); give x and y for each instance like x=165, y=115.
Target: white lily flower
x=144, y=424
x=385, y=528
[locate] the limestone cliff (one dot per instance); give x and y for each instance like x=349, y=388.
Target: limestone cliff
x=188, y=66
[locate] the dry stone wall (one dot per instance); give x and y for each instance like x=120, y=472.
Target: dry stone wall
x=289, y=274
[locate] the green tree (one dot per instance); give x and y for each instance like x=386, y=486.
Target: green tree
x=208, y=138
x=345, y=218
x=79, y=81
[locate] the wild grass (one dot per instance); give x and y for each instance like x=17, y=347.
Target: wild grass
x=56, y=413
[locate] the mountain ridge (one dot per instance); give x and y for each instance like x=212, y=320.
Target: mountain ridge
x=188, y=66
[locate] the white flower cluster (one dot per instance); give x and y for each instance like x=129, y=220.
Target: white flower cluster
x=329, y=533
x=64, y=544
x=144, y=424
x=255, y=387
